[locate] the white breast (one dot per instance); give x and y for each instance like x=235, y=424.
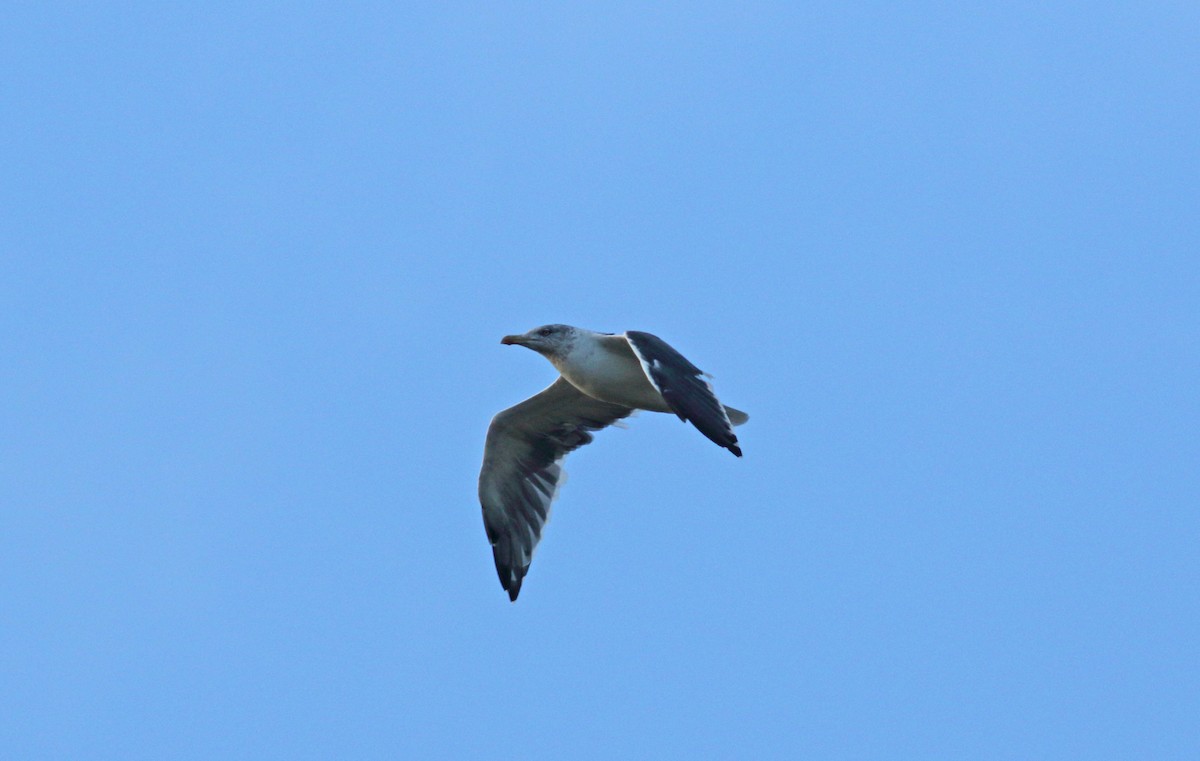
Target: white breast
x=608, y=370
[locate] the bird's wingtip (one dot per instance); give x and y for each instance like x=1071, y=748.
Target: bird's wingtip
x=513, y=587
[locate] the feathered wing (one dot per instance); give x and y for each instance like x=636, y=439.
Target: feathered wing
x=685, y=389
x=522, y=464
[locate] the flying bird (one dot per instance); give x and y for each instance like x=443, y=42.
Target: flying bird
x=603, y=378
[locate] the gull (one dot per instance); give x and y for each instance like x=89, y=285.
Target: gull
x=603, y=377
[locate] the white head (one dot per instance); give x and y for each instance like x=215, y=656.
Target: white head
x=550, y=341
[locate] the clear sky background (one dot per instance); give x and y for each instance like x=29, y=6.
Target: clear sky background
x=255, y=262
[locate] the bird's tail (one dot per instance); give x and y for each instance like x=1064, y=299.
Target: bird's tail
x=737, y=417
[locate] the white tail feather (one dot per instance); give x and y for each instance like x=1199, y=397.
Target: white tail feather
x=736, y=417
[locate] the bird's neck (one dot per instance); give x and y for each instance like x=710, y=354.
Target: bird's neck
x=576, y=354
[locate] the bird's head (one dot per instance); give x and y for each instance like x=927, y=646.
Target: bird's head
x=550, y=340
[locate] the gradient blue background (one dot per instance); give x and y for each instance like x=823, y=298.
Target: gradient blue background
x=255, y=261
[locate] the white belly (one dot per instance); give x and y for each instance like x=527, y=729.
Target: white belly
x=613, y=377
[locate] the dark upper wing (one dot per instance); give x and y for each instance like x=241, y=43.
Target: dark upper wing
x=522, y=462
x=684, y=388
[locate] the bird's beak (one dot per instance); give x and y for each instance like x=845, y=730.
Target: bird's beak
x=510, y=340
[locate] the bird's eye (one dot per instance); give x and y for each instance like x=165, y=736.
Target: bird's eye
x=545, y=332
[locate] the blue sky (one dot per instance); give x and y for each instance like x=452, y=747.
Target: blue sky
x=255, y=261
